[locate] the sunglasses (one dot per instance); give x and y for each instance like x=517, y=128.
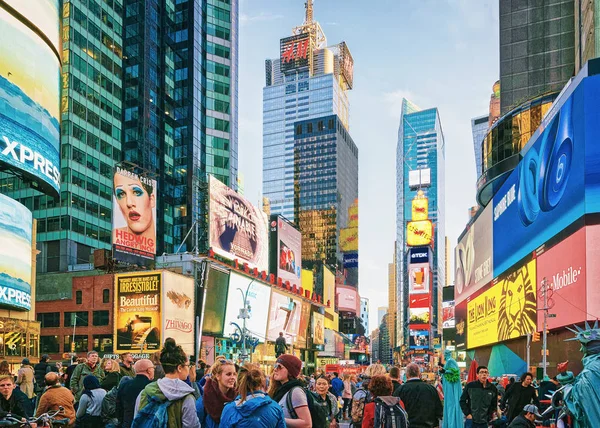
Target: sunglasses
x=225, y=362
x=278, y=366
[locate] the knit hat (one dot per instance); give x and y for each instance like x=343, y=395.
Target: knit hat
x=291, y=363
x=25, y=361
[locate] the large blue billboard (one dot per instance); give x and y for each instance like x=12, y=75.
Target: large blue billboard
x=557, y=181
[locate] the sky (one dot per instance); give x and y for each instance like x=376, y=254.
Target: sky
x=436, y=53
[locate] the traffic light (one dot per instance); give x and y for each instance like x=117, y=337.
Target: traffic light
x=535, y=337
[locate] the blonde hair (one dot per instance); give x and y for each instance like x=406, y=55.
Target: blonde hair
x=375, y=370
x=250, y=378
x=5, y=376
x=215, y=364
x=114, y=366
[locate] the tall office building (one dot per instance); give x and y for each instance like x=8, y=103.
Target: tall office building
x=537, y=49
x=420, y=151
x=308, y=80
x=587, y=31
x=392, y=302
x=381, y=311
x=479, y=127
x=70, y=227
x=180, y=106
x=364, y=314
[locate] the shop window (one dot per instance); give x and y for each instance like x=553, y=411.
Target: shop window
x=49, y=345
x=81, y=344
x=103, y=343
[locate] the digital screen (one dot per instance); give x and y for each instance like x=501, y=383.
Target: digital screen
x=284, y=317
x=349, y=239
x=418, y=316
x=419, y=278
x=419, y=233
x=448, y=320
x=295, y=52
x=257, y=297
x=43, y=14
x=287, y=245
x=318, y=329
x=215, y=305
x=348, y=299
x=419, y=339
x=303, y=329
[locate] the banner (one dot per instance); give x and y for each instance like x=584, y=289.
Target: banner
x=350, y=260
x=138, y=312
x=178, y=309
x=286, y=247
x=349, y=239
x=284, y=317
x=303, y=329
x=419, y=233
x=420, y=209
x=318, y=328
x=419, y=278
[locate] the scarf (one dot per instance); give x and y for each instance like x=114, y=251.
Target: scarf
x=215, y=400
x=285, y=388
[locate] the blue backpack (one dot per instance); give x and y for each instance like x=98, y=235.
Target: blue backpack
x=154, y=414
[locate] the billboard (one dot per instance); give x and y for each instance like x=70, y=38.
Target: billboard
x=16, y=223
x=258, y=296
x=418, y=255
x=420, y=209
x=593, y=268
x=448, y=320
x=308, y=280
x=215, y=303
x=30, y=99
x=286, y=251
x=419, y=301
x=419, y=278
x=238, y=229
x=134, y=217
x=329, y=289
x=43, y=14
x=138, y=308
x=284, y=316
x=303, y=328
x=506, y=310
x=178, y=309
x=346, y=65
x=418, y=316
x=348, y=299
x=353, y=214
x=418, y=339
x=419, y=178
x=350, y=260
x=295, y=52
x=318, y=328
x=473, y=257
x=419, y=233
x=349, y=239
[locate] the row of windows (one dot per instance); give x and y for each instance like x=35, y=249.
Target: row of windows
x=96, y=76
x=218, y=31
x=89, y=137
x=94, y=52
x=95, y=120
x=94, y=96
x=70, y=319
x=101, y=342
x=86, y=183
x=218, y=50
x=65, y=223
x=218, y=13
x=88, y=160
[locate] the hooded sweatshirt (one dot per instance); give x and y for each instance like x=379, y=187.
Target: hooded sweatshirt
x=182, y=413
x=258, y=411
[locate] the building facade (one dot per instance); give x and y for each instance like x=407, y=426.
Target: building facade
x=587, y=31
x=364, y=313
x=479, y=127
x=392, y=303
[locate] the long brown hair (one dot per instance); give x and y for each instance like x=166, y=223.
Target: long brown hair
x=250, y=378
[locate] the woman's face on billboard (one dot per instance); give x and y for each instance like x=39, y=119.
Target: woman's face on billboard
x=135, y=202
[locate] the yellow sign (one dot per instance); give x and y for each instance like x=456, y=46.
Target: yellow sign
x=307, y=280
x=420, y=209
x=506, y=311
x=349, y=239
x=329, y=290
x=419, y=233
x=353, y=214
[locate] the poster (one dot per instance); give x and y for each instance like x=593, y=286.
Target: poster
x=448, y=320
x=286, y=242
x=318, y=329
x=303, y=329
x=284, y=316
x=178, y=309
x=419, y=278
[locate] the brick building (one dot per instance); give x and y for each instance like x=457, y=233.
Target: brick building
x=75, y=303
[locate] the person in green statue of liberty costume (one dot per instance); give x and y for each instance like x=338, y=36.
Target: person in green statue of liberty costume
x=453, y=416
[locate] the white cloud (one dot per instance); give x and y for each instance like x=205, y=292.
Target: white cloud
x=394, y=101
x=261, y=17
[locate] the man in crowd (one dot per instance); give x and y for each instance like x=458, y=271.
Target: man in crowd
x=527, y=417
x=127, y=365
x=337, y=385
x=128, y=392
x=280, y=345
x=479, y=399
x=40, y=370
x=421, y=400
x=519, y=395
x=13, y=400
x=92, y=367
x=54, y=396
x=395, y=376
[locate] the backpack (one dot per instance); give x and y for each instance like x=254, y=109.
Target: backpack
x=109, y=405
x=319, y=414
x=154, y=414
x=389, y=416
x=358, y=406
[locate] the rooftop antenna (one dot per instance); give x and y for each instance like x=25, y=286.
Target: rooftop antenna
x=309, y=12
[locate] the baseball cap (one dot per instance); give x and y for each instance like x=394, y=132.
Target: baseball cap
x=530, y=408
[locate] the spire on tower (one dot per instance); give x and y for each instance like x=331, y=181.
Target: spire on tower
x=309, y=12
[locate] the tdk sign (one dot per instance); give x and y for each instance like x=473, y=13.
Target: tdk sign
x=418, y=255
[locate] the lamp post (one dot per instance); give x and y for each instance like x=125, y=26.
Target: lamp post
x=244, y=315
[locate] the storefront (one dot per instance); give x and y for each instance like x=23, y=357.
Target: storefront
x=19, y=339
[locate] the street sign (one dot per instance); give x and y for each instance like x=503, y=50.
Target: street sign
x=542, y=364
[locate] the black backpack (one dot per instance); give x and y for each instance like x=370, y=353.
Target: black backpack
x=319, y=414
x=389, y=415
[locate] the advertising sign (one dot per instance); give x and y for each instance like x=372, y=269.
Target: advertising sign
x=328, y=289
x=257, y=298
x=353, y=214
x=359, y=343
x=16, y=224
x=348, y=299
x=448, y=320
x=420, y=209
x=308, y=280
x=286, y=242
x=418, y=316
x=505, y=311
x=178, y=309
x=295, y=52
x=419, y=339
x=473, y=257
x=418, y=278
x=215, y=303
x=419, y=233
x=43, y=14
x=29, y=102
x=134, y=217
x=417, y=255
x=593, y=268
x=238, y=229
x=349, y=239
x=318, y=328
x=419, y=301
x=138, y=309
x=346, y=65
x=303, y=329
x=284, y=316
x=350, y=260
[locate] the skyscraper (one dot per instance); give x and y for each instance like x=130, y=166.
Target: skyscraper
x=180, y=106
x=420, y=151
x=392, y=302
x=587, y=31
x=479, y=126
x=364, y=314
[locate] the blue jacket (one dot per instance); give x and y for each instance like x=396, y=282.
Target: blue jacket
x=205, y=420
x=337, y=385
x=258, y=411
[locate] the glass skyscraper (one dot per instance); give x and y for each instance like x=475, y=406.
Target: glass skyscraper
x=420, y=146
x=479, y=127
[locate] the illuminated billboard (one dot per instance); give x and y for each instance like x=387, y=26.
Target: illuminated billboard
x=419, y=339
x=318, y=328
x=16, y=224
x=418, y=255
x=134, y=217
x=448, y=320
x=286, y=250
x=419, y=233
x=308, y=280
x=258, y=297
x=507, y=310
x=215, y=302
x=43, y=14
x=329, y=289
x=348, y=299
x=350, y=260
x=295, y=52
x=419, y=301
x=418, y=316
x=30, y=101
x=593, y=268
x=473, y=257
x=419, y=278
x=420, y=209
x=238, y=229
x=178, y=309
x=349, y=239
x=303, y=329
x=346, y=63
x=284, y=317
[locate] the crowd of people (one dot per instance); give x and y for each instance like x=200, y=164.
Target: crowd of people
x=170, y=390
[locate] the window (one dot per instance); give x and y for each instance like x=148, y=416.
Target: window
x=76, y=319
x=78, y=297
x=49, y=345
x=105, y=295
x=100, y=318
x=103, y=342
x=81, y=343
x=50, y=319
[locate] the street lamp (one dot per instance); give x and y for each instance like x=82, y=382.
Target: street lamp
x=244, y=315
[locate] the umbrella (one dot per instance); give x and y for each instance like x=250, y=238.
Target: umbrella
x=472, y=371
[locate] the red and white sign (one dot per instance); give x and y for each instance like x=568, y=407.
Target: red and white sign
x=348, y=300
x=593, y=271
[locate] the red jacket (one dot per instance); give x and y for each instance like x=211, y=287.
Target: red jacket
x=369, y=414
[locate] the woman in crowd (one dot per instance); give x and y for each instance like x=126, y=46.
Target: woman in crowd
x=173, y=387
x=347, y=396
x=252, y=407
x=380, y=387
x=285, y=381
x=159, y=372
x=5, y=368
x=218, y=390
x=25, y=378
x=90, y=404
x=327, y=400
x=362, y=394
x=112, y=372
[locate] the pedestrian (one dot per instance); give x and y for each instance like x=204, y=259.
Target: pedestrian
x=347, y=397
x=328, y=400
x=55, y=395
x=172, y=388
x=285, y=381
x=518, y=396
x=527, y=417
x=5, y=368
x=90, y=404
x=40, y=370
x=218, y=390
x=201, y=369
x=159, y=372
x=112, y=373
x=395, y=376
x=362, y=396
x=71, y=369
x=421, y=400
x=280, y=345
x=129, y=391
x=13, y=400
x=337, y=385
x=90, y=367
x=26, y=378
x=479, y=400
x=126, y=365
x=380, y=387
x=109, y=405
x=252, y=408
x=511, y=382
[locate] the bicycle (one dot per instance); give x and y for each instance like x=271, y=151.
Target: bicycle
x=45, y=420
